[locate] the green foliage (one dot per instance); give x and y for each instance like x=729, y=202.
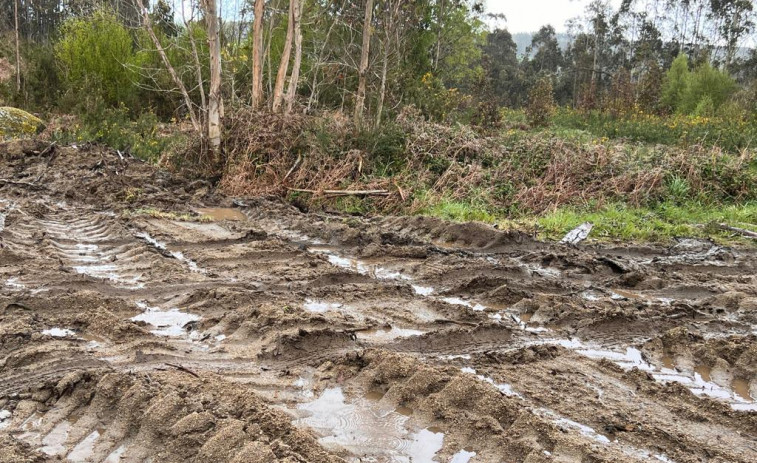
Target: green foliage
x=705, y=107
x=386, y=146
x=97, y=59
x=706, y=83
x=700, y=92
x=115, y=128
x=660, y=223
x=729, y=132
x=676, y=82
x=541, y=103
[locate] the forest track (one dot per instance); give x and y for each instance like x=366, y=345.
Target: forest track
x=267, y=334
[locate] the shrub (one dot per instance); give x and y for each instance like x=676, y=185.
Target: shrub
x=97, y=59
x=676, y=81
x=541, y=103
x=706, y=83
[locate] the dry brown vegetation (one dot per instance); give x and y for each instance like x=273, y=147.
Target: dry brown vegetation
x=513, y=171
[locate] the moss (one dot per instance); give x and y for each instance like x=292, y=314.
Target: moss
x=16, y=123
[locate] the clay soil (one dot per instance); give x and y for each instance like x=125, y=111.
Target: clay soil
x=146, y=317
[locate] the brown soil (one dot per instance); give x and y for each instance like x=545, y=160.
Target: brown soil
x=265, y=334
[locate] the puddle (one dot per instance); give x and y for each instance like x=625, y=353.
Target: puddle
x=168, y=323
x=360, y=266
x=741, y=388
x=364, y=429
x=13, y=283
x=463, y=456
x=698, y=381
x=5, y=419
x=115, y=456
x=423, y=290
x=504, y=388
x=583, y=429
x=704, y=372
x=58, y=332
x=178, y=255
x=83, y=450
x=222, y=213
x=459, y=301
x=321, y=306
x=387, y=333
x=52, y=443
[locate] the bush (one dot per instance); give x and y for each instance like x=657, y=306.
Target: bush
x=115, y=128
x=541, y=103
x=97, y=60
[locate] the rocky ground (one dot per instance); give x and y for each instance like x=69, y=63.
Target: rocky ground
x=144, y=317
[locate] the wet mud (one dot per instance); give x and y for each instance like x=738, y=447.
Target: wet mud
x=242, y=330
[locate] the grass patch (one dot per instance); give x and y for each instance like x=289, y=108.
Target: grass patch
x=658, y=224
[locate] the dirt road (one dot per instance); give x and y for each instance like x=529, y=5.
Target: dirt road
x=259, y=333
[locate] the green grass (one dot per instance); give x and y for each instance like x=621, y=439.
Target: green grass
x=618, y=222
x=457, y=211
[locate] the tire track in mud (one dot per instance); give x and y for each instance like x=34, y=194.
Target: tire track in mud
x=256, y=305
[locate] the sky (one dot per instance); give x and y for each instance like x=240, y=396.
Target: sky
x=530, y=15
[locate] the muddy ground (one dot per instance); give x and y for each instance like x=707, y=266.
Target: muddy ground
x=240, y=329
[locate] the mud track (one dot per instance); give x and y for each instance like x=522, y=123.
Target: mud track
x=265, y=334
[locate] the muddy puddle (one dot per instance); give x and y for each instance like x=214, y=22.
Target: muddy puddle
x=387, y=333
x=169, y=322
x=369, y=429
x=221, y=213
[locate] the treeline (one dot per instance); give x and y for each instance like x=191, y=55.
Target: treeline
x=369, y=59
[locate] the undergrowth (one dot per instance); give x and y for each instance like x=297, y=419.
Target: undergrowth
x=550, y=179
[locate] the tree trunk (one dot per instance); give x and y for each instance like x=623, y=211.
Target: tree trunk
x=295, y=77
x=171, y=71
x=393, y=12
x=278, y=89
x=439, y=25
x=257, y=54
x=363, y=70
x=215, y=103
x=18, y=54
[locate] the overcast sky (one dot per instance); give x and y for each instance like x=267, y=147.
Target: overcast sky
x=530, y=15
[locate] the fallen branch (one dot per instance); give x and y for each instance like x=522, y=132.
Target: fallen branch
x=741, y=231
x=343, y=192
x=184, y=369
x=296, y=164
x=402, y=193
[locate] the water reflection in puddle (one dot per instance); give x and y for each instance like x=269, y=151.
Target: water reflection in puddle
x=459, y=301
x=178, y=255
x=387, y=333
x=52, y=443
x=698, y=381
x=167, y=323
x=222, y=213
x=463, y=456
x=58, y=332
x=115, y=456
x=321, y=306
x=365, y=429
x=83, y=450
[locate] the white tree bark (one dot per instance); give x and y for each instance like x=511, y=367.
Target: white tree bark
x=257, y=54
x=363, y=70
x=278, y=89
x=215, y=101
x=295, y=77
